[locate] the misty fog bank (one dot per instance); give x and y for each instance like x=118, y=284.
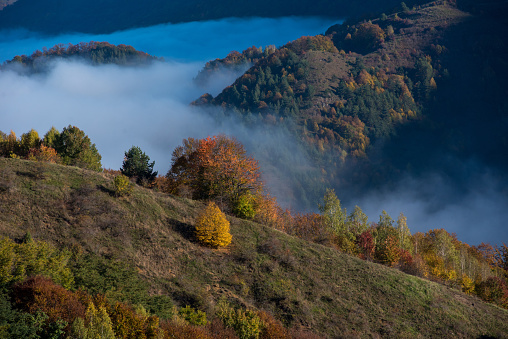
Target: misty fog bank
x=475, y=207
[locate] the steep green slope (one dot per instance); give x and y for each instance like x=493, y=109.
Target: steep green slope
x=303, y=284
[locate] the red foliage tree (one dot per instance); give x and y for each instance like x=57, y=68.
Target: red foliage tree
x=365, y=242
x=41, y=293
x=493, y=290
x=214, y=168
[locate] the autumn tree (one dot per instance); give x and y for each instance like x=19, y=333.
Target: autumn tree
x=215, y=168
x=44, y=154
x=136, y=164
x=212, y=227
x=309, y=227
x=367, y=37
x=388, y=251
x=29, y=140
x=183, y=174
x=98, y=322
x=269, y=212
x=51, y=137
x=357, y=221
x=10, y=145
x=245, y=206
x=365, y=243
x=42, y=294
x=335, y=220
x=403, y=233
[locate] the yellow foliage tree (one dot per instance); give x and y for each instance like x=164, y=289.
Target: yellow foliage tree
x=212, y=227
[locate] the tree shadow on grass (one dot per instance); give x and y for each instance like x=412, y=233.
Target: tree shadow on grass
x=106, y=190
x=26, y=174
x=185, y=229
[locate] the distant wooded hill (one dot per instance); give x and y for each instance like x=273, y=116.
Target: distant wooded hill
x=100, y=16
x=4, y=3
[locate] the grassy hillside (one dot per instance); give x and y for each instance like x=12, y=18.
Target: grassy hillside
x=304, y=285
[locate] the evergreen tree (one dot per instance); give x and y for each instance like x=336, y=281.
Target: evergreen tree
x=136, y=164
x=51, y=137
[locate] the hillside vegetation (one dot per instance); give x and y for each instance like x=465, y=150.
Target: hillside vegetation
x=304, y=285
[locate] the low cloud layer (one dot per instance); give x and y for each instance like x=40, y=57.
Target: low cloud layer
x=149, y=106
x=119, y=107
x=475, y=208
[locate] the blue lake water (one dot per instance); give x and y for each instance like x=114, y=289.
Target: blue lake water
x=194, y=41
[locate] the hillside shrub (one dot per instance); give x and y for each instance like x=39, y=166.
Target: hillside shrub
x=246, y=324
x=493, y=290
x=272, y=329
x=42, y=294
x=31, y=258
x=192, y=316
x=212, y=227
x=244, y=207
x=122, y=185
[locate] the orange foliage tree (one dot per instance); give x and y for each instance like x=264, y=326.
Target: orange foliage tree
x=214, y=168
x=44, y=154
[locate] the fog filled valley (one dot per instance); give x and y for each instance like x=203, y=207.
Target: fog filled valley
x=388, y=114
x=148, y=106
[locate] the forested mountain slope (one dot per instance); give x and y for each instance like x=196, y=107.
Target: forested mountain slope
x=55, y=16
x=365, y=96
x=140, y=249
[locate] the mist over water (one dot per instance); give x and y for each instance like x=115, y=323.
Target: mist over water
x=119, y=107
x=187, y=42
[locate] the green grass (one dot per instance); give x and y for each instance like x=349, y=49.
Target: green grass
x=301, y=283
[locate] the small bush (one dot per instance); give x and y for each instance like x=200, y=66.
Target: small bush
x=122, y=185
x=244, y=207
x=212, y=227
x=192, y=316
x=246, y=324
